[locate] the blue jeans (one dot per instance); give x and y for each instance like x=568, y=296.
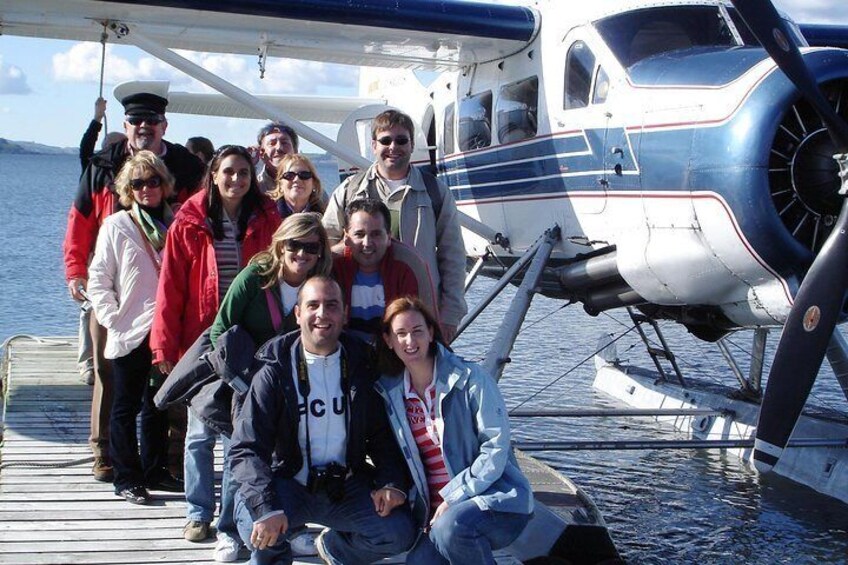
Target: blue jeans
x=199, y=474
x=465, y=534
x=358, y=534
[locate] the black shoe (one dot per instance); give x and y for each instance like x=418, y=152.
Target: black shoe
x=168, y=483
x=135, y=495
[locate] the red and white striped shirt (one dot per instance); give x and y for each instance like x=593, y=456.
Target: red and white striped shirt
x=421, y=414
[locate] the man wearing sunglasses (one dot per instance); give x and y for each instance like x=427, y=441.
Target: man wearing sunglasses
x=144, y=125
x=423, y=211
x=275, y=141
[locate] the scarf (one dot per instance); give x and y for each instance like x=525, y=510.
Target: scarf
x=153, y=228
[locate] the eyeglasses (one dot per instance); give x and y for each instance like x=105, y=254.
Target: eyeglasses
x=308, y=247
x=302, y=175
x=152, y=182
x=149, y=120
x=387, y=140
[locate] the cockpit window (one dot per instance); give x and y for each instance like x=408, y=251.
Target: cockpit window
x=640, y=34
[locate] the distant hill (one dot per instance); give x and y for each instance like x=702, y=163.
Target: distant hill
x=29, y=148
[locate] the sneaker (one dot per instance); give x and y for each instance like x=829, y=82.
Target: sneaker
x=303, y=544
x=227, y=549
x=321, y=548
x=135, y=495
x=196, y=531
x=102, y=470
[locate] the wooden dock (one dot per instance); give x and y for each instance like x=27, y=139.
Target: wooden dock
x=55, y=513
x=52, y=511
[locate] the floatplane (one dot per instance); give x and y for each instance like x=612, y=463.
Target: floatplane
x=678, y=158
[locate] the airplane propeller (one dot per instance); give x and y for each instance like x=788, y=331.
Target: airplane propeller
x=819, y=301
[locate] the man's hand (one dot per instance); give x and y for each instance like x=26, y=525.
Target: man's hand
x=74, y=286
x=99, y=109
x=443, y=507
x=266, y=532
x=165, y=367
x=448, y=332
x=385, y=500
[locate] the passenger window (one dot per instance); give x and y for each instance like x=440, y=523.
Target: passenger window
x=579, y=66
x=517, y=110
x=448, y=130
x=475, y=121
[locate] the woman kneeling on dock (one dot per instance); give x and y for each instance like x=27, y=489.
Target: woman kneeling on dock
x=122, y=285
x=451, y=419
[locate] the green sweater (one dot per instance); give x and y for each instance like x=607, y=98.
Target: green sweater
x=246, y=304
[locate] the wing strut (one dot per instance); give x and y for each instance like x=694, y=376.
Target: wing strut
x=195, y=71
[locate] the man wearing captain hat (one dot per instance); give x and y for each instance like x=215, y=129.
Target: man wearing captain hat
x=144, y=124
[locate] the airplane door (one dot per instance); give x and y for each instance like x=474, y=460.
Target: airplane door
x=580, y=126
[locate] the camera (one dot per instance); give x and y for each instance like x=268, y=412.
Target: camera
x=328, y=479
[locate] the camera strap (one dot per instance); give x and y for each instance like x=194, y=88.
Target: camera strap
x=304, y=389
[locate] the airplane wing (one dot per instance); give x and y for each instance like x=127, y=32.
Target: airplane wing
x=416, y=34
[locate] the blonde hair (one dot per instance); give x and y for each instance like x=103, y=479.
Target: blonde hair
x=296, y=226
x=147, y=161
x=316, y=203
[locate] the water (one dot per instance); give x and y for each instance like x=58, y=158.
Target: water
x=662, y=507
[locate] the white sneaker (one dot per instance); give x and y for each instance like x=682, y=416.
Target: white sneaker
x=303, y=544
x=227, y=549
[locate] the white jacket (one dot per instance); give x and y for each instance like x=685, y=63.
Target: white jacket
x=122, y=280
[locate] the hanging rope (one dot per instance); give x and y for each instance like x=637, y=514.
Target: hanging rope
x=103, y=37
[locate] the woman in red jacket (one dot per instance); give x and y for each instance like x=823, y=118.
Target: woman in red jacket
x=214, y=235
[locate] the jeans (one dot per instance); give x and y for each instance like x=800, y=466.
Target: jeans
x=464, y=534
x=199, y=473
x=358, y=534
x=133, y=394
x=199, y=470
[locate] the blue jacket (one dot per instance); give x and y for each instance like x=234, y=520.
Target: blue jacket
x=265, y=443
x=475, y=439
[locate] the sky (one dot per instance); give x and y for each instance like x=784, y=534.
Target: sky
x=48, y=87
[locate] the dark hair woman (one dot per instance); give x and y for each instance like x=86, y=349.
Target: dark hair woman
x=214, y=236
x=449, y=416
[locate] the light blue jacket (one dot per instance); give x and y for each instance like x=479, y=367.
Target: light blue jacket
x=475, y=439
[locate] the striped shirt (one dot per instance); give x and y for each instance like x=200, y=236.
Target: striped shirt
x=227, y=255
x=421, y=414
x=367, y=303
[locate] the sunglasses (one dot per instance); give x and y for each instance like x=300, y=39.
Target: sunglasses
x=149, y=120
x=308, y=247
x=387, y=140
x=302, y=175
x=152, y=182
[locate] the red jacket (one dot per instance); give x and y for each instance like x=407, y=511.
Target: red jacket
x=402, y=272
x=187, y=298
x=96, y=198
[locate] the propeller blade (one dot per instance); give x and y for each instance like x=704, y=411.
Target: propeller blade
x=770, y=29
x=819, y=301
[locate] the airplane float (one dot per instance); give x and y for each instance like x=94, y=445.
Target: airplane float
x=674, y=156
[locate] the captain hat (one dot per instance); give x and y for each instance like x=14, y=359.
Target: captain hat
x=143, y=98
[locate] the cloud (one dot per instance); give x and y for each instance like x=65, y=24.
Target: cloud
x=81, y=63
x=12, y=79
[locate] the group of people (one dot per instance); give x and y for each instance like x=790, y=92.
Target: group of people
x=358, y=415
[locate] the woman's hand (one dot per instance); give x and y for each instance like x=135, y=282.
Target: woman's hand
x=443, y=507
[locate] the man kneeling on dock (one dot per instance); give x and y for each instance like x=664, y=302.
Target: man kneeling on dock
x=301, y=440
